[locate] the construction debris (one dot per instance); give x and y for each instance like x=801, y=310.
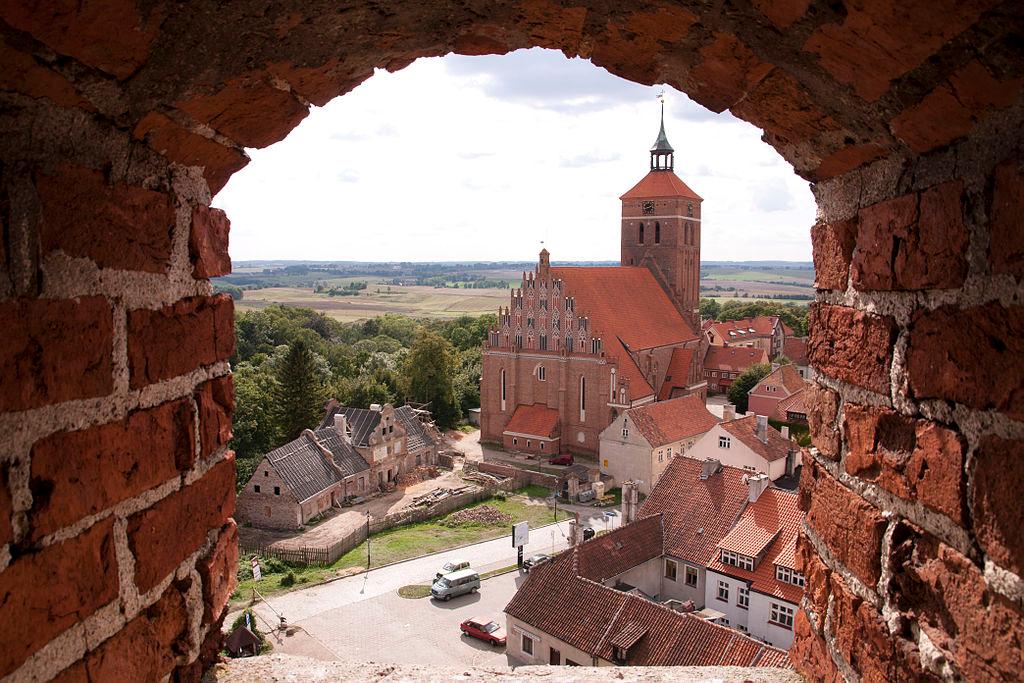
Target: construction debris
x=487, y=515
x=431, y=497
x=418, y=475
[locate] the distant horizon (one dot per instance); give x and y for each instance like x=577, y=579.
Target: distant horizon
x=485, y=262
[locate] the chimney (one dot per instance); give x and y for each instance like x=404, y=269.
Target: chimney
x=574, y=531
x=728, y=412
x=376, y=407
x=630, y=495
x=341, y=426
x=756, y=484
x=762, y=428
x=708, y=467
x=785, y=431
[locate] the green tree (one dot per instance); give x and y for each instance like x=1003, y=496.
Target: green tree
x=709, y=308
x=301, y=390
x=744, y=383
x=430, y=369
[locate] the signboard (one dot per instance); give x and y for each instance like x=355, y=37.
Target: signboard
x=256, y=572
x=520, y=534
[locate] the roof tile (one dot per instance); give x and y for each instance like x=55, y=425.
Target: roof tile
x=733, y=358
x=660, y=184
x=536, y=419
x=668, y=421
x=745, y=429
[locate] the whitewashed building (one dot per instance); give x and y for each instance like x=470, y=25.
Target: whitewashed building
x=749, y=443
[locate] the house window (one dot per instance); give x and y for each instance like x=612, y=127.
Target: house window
x=515, y=441
x=541, y=372
x=669, y=454
x=625, y=427
x=781, y=616
x=691, y=576
x=568, y=342
x=583, y=397
x=689, y=209
x=527, y=644
x=661, y=456
x=743, y=597
x=542, y=445
x=529, y=443
x=714, y=374
x=670, y=570
x=277, y=490
x=789, y=575
x=723, y=442
x=265, y=473
x=723, y=621
x=741, y=628
x=723, y=591
x=256, y=488
x=737, y=560
x=612, y=386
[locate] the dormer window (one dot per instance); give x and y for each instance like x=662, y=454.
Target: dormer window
x=789, y=575
x=737, y=560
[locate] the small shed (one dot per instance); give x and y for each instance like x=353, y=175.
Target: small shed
x=243, y=643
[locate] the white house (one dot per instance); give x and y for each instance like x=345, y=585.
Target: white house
x=749, y=443
x=639, y=444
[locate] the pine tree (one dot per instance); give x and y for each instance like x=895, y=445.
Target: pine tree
x=300, y=391
x=431, y=369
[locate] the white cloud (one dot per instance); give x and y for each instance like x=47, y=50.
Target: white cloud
x=481, y=158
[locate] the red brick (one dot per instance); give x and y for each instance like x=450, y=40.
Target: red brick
x=783, y=13
x=913, y=242
x=179, y=338
x=208, y=655
x=981, y=369
x=55, y=350
x=165, y=136
x=822, y=409
x=816, y=574
x=107, y=34
x=218, y=571
x=847, y=158
x=850, y=526
x=111, y=463
x=185, y=516
x=147, y=648
x=117, y=226
x=45, y=592
x=913, y=459
x=208, y=242
x=727, y=71
x=833, y=251
x=946, y=594
x=216, y=401
x=1006, y=245
x=782, y=107
x=239, y=111
x=954, y=108
x=25, y=75
x=809, y=653
x=997, y=506
x=6, y=508
x=851, y=345
x=321, y=84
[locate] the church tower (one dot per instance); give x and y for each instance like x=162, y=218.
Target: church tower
x=661, y=229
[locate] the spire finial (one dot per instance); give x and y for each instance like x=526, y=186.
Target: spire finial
x=662, y=154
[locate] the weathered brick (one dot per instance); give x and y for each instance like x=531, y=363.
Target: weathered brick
x=913, y=242
x=847, y=158
x=809, y=653
x=850, y=526
x=726, y=72
x=782, y=107
x=216, y=401
x=117, y=226
x=110, y=463
x=185, y=516
x=146, y=649
x=816, y=574
x=6, y=508
x=833, y=251
x=25, y=75
x=208, y=242
x=997, y=506
x=1006, y=244
x=982, y=370
x=946, y=594
x=218, y=571
x=178, y=338
x=913, y=459
x=208, y=655
x=45, y=592
x=822, y=410
x=55, y=350
x=783, y=13
x=851, y=345
x=165, y=136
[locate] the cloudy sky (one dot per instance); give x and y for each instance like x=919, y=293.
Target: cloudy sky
x=482, y=158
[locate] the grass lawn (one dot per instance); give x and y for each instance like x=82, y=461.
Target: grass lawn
x=400, y=543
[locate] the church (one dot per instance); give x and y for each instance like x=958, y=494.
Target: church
x=576, y=346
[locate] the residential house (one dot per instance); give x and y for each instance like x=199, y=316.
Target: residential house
x=640, y=443
x=795, y=349
x=753, y=579
x=751, y=444
x=723, y=364
x=780, y=384
x=765, y=332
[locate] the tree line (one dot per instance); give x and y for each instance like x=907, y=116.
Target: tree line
x=792, y=314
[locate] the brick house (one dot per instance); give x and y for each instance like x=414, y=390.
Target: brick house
x=723, y=364
x=766, y=332
x=780, y=384
x=588, y=343
x=641, y=442
x=751, y=444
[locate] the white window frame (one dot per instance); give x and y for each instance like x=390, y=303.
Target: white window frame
x=743, y=597
x=781, y=616
x=788, y=575
x=724, y=442
x=723, y=590
x=522, y=645
x=737, y=560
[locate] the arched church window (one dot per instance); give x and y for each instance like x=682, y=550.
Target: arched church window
x=657, y=233
x=640, y=234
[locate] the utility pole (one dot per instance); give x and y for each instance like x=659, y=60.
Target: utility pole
x=367, y=541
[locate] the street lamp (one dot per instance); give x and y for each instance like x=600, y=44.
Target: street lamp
x=367, y=541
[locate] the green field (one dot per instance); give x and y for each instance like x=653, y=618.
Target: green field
x=787, y=275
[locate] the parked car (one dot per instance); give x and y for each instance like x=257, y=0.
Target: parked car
x=484, y=629
x=561, y=460
x=455, y=584
x=533, y=560
x=453, y=566
x=588, y=533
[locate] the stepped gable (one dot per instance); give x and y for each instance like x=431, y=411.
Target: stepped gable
x=678, y=374
x=660, y=184
x=667, y=421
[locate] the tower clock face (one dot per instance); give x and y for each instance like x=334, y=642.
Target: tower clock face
x=647, y=207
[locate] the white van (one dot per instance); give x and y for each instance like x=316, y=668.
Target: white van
x=455, y=584
x=453, y=566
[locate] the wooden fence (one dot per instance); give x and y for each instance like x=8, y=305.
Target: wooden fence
x=305, y=556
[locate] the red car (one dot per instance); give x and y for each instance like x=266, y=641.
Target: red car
x=561, y=460
x=484, y=629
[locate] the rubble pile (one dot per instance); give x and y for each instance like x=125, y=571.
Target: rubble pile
x=487, y=515
x=417, y=475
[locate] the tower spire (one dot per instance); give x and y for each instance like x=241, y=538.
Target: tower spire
x=662, y=154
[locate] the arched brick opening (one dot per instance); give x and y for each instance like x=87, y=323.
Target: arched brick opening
x=120, y=119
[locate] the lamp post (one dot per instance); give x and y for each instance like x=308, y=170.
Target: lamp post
x=367, y=541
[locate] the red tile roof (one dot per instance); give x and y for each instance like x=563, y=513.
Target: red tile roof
x=678, y=374
x=536, y=420
x=667, y=421
x=745, y=429
x=747, y=538
x=795, y=349
x=739, y=330
x=697, y=514
x=792, y=404
x=613, y=553
x=660, y=184
x=775, y=512
x=785, y=377
x=733, y=358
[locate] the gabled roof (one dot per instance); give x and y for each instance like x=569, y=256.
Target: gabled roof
x=795, y=349
x=362, y=423
x=536, y=420
x=697, y=514
x=416, y=434
x=776, y=514
x=344, y=455
x=792, y=404
x=668, y=421
x=659, y=184
x=746, y=328
x=733, y=358
x=745, y=429
x=678, y=374
x=622, y=549
x=748, y=538
x=785, y=377
x=304, y=466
